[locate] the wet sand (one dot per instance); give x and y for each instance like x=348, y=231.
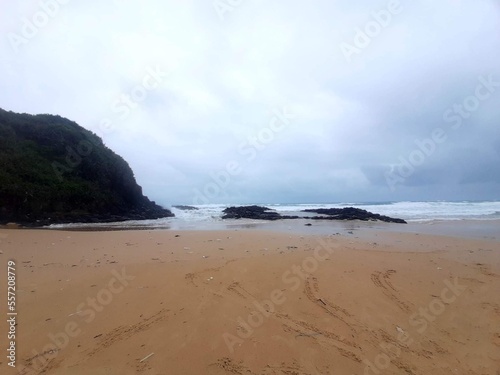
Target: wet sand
x=363, y=301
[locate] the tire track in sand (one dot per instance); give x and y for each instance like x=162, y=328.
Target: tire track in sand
x=193, y=277
x=122, y=333
x=311, y=290
x=382, y=281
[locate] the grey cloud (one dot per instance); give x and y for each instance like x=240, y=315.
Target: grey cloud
x=354, y=120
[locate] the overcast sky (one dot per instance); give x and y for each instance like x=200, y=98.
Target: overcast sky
x=271, y=101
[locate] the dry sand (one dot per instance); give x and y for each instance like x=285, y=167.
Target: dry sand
x=251, y=302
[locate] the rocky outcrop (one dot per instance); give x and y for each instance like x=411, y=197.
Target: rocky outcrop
x=54, y=171
x=351, y=213
x=253, y=212
x=185, y=208
x=265, y=213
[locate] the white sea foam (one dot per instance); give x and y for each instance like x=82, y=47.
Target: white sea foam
x=410, y=211
x=210, y=215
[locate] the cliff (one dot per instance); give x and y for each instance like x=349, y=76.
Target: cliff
x=54, y=171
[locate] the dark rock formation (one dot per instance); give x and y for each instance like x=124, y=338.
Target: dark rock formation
x=185, y=208
x=253, y=212
x=54, y=171
x=350, y=213
x=264, y=213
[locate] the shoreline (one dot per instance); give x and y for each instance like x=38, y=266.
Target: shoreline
x=465, y=228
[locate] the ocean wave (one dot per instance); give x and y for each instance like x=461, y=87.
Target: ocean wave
x=426, y=212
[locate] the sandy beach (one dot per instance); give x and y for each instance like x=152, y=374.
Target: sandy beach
x=251, y=302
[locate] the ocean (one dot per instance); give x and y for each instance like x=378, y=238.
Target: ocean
x=209, y=216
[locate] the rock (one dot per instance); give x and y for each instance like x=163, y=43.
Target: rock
x=265, y=213
x=250, y=212
x=253, y=212
x=351, y=213
x=185, y=208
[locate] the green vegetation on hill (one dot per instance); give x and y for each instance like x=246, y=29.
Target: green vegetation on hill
x=53, y=170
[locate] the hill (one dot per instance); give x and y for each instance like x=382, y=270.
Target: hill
x=54, y=171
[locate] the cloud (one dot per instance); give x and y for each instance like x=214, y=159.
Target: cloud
x=224, y=79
